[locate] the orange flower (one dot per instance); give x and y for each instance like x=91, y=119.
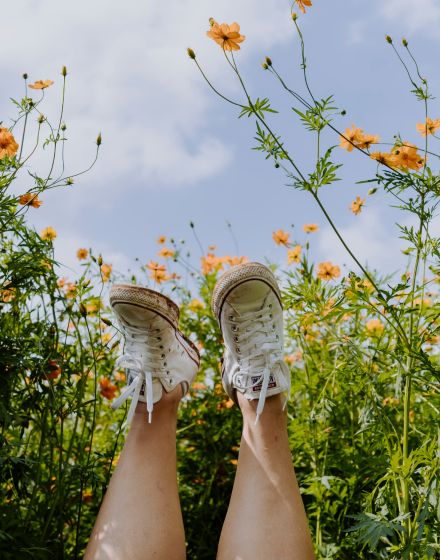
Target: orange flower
x=234, y=261
x=375, y=327
x=227, y=36
x=210, y=263
x=310, y=228
x=30, y=200
x=327, y=270
x=385, y=158
x=70, y=290
x=47, y=234
x=281, y=237
x=82, y=254
x=356, y=205
x=355, y=137
x=158, y=272
x=55, y=369
x=407, y=157
x=161, y=240
x=294, y=255
x=41, y=84
x=430, y=127
x=7, y=295
x=107, y=390
x=106, y=270
x=302, y=3
x=166, y=253
x=8, y=145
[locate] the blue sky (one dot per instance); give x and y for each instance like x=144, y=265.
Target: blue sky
x=173, y=152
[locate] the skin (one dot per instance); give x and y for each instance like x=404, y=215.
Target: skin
x=140, y=517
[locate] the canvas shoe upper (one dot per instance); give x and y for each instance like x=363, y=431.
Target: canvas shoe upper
x=156, y=354
x=247, y=303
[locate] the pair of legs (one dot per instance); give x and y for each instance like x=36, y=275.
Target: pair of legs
x=140, y=518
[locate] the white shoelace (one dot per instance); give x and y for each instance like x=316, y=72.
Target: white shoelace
x=150, y=346
x=257, y=342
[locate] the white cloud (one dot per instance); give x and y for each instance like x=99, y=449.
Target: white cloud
x=415, y=15
x=370, y=238
x=131, y=78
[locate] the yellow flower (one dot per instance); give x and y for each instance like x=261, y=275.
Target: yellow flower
x=227, y=36
x=430, y=127
x=106, y=270
x=29, y=199
x=41, y=84
x=161, y=240
x=105, y=337
x=166, y=253
x=390, y=401
x=355, y=137
x=281, y=237
x=384, y=158
x=356, y=205
x=327, y=270
x=82, y=254
x=294, y=255
x=310, y=228
x=8, y=145
x=407, y=157
x=196, y=305
x=47, y=234
x=375, y=327
x=302, y=3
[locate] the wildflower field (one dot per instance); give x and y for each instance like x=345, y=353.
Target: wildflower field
x=362, y=347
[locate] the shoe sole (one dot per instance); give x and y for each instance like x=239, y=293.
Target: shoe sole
x=238, y=275
x=153, y=301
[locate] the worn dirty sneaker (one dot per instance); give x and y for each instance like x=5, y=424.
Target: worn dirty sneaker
x=157, y=356
x=247, y=304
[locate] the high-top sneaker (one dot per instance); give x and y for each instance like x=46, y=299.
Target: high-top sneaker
x=156, y=354
x=247, y=304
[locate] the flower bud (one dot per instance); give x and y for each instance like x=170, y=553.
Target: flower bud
x=25, y=76
x=41, y=119
x=388, y=39
x=86, y=283
x=268, y=61
x=99, y=140
x=69, y=181
x=64, y=71
x=372, y=191
x=99, y=261
x=191, y=53
x=82, y=310
x=343, y=112
x=211, y=21
x=63, y=127
x=404, y=42
x=265, y=66
x=294, y=16
x=106, y=321
x=277, y=165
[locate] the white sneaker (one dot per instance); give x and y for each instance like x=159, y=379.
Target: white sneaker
x=156, y=354
x=247, y=304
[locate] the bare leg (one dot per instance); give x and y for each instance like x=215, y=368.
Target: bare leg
x=140, y=517
x=266, y=517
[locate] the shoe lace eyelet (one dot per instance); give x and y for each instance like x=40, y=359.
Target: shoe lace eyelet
x=165, y=364
x=236, y=338
x=231, y=318
x=238, y=350
x=234, y=328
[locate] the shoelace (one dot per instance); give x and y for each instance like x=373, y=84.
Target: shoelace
x=149, y=345
x=258, y=341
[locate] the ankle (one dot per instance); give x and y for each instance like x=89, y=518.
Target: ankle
x=168, y=404
x=273, y=410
